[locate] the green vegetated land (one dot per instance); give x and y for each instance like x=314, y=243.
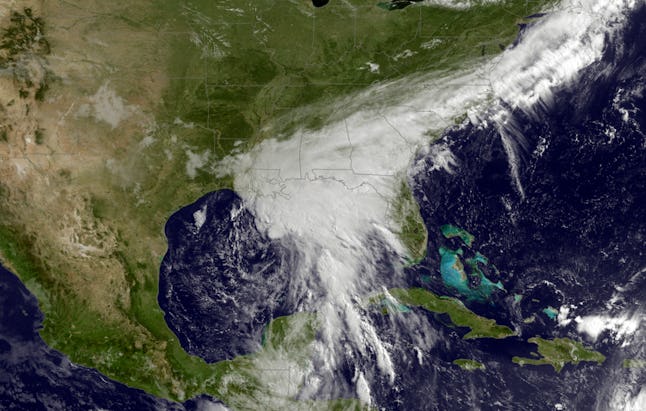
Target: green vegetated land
x=634, y=363
x=235, y=78
x=412, y=229
x=459, y=314
x=246, y=381
x=469, y=365
x=560, y=351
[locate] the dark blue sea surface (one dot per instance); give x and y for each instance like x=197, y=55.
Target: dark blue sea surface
x=575, y=234
x=582, y=221
x=221, y=284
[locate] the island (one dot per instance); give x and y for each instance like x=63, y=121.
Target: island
x=460, y=315
x=558, y=352
x=634, y=363
x=451, y=231
x=469, y=365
